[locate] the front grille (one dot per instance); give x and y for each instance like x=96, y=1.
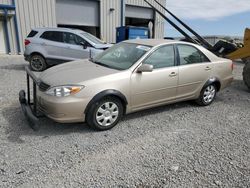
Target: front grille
x=43, y=86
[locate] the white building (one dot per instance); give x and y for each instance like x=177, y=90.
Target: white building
x=99, y=17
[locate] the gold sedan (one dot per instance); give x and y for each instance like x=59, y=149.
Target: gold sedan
x=128, y=77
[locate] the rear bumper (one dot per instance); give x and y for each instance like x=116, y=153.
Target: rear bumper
x=26, y=57
x=227, y=82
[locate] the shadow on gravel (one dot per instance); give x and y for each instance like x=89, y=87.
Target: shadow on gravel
x=14, y=67
x=160, y=109
x=18, y=126
x=239, y=85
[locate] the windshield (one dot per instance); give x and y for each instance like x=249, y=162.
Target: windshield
x=92, y=38
x=121, y=56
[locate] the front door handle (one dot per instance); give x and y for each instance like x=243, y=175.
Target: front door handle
x=208, y=68
x=172, y=74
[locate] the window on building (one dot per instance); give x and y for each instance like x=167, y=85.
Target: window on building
x=190, y=55
x=162, y=57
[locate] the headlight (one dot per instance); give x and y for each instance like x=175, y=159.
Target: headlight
x=64, y=91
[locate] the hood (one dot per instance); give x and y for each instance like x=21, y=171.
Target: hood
x=101, y=46
x=75, y=72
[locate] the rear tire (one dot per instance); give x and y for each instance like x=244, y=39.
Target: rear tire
x=207, y=95
x=38, y=63
x=105, y=113
x=246, y=72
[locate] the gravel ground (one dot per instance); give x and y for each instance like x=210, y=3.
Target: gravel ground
x=180, y=145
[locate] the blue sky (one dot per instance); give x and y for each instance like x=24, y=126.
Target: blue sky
x=226, y=17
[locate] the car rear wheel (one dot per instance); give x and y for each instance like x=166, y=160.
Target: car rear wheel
x=207, y=95
x=37, y=63
x=105, y=114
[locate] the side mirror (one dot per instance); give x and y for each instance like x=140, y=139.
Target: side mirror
x=145, y=68
x=84, y=45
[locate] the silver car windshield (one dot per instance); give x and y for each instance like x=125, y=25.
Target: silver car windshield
x=121, y=56
x=92, y=38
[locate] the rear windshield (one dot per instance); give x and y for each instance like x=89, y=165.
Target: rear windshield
x=32, y=33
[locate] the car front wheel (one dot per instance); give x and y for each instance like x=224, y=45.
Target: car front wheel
x=207, y=95
x=105, y=114
x=37, y=63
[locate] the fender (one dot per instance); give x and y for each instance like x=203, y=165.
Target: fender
x=109, y=92
x=212, y=80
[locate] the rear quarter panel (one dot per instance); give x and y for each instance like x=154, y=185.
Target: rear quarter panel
x=223, y=71
x=35, y=46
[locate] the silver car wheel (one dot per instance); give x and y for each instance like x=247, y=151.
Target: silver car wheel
x=107, y=114
x=209, y=94
x=36, y=64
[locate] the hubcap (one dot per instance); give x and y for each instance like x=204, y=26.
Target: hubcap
x=107, y=114
x=209, y=94
x=36, y=63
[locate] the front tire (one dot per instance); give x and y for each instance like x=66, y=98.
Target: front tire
x=207, y=95
x=37, y=63
x=105, y=114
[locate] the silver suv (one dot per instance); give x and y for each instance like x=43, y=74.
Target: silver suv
x=50, y=46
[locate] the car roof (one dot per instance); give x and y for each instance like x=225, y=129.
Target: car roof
x=152, y=42
x=159, y=42
x=42, y=29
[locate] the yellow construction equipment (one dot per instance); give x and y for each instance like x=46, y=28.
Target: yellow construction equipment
x=244, y=54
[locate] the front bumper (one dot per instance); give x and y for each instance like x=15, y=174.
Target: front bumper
x=30, y=108
x=63, y=110
x=28, y=111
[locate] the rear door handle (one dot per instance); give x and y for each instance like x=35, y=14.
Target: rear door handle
x=208, y=68
x=172, y=74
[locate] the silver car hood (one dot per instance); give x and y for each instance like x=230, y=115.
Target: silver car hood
x=75, y=72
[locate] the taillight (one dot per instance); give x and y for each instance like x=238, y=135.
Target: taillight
x=26, y=42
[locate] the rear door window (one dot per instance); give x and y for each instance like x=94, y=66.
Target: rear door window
x=191, y=55
x=55, y=36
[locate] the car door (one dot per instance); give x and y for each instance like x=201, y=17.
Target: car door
x=74, y=48
x=160, y=85
x=51, y=44
x=194, y=70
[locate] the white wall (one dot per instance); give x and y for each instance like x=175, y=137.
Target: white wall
x=6, y=2
x=110, y=19
x=2, y=39
x=32, y=14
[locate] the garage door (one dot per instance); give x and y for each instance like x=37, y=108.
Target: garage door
x=2, y=39
x=77, y=12
x=139, y=12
